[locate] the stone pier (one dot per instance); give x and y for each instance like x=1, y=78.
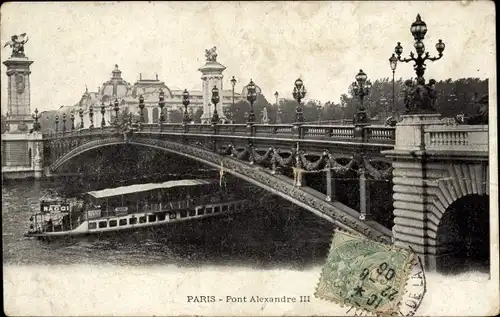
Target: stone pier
x=436, y=162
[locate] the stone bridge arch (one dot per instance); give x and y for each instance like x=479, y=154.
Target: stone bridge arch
x=424, y=197
x=340, y=215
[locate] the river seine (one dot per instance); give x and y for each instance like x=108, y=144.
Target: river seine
x=279, y=235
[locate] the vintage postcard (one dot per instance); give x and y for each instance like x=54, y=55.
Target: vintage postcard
x=266, y=158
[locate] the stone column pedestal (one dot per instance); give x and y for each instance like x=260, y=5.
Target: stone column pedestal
x=211, y=76
x=413, y=191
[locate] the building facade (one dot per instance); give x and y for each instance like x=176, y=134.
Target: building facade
x=127, y=95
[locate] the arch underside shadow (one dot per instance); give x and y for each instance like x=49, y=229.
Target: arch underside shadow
x=463, y=235
x=340, y=215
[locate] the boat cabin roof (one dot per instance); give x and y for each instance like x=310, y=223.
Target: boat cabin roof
x=131, y=189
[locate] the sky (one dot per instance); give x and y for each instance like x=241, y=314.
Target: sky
x=273, y=43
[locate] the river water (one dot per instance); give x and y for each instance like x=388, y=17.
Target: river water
x=277, y=235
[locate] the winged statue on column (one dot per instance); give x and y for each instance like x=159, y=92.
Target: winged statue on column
x=17, y=44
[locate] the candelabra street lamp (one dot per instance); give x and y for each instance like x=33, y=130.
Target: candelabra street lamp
x=72, y=118
x=141, y=108
x=116, y=108
x=103, y=112
x=161, y=104
x=393, y=62
x=91, y=116
x=420, y=103
x=36, y=124
x=361, y=88
x=186, y=102
x=64, y=122
x=215, y=100
x=80, y=112
x=251, y=97
x=57, y=124
x=343, y=105
x=278, y=110
x=233, y=83
x=299, y=93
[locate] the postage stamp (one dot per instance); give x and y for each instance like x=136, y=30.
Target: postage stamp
x=364, y=274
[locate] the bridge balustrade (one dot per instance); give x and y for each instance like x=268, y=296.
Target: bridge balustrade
x=80, y=132
x=381, y=134
x=232, y=129
x=375, y=134
x=457, y=138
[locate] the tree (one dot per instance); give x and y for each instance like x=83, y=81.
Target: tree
x=239, y=111
x=196, y=115
x=453, y=97
x=176, y=116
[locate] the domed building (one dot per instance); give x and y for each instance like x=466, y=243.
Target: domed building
x=127, y=95
x=116, y=87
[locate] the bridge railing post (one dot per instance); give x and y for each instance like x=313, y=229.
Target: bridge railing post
x=330, y=186
x=298, y=130
x=250, y=129
x=364, y=195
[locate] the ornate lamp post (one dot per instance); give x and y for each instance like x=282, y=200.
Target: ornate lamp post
x=72, y=118
x=64, y=123
x=361, y=88
x=57, y=124
x=161, y=104
x=116, y=108
x=141, y=108
x=393, y=61
x=103, y=112
x=91, y=116
x=81, y=117
x=233, y=83
x=215, y=100
x=186, y=102
x=251, y=97
x=278, y=111
x=418, y=104
x=299, y=92
x=36, y=125
x=342, y=106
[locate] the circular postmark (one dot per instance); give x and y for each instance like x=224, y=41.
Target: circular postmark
x=412, y=297
x=414, y=291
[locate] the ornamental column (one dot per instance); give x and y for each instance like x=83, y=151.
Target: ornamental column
x=19, y=144
x=18, y=87
x=211, y=77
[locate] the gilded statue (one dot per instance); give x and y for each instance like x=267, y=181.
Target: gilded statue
x=211, y=54
x=419, y=96
x=17, y=44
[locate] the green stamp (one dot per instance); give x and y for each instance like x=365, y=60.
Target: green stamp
x=364, y=274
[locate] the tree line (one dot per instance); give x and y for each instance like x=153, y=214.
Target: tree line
x=453, y=97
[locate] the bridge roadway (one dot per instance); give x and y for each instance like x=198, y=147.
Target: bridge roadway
x=238, y=149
